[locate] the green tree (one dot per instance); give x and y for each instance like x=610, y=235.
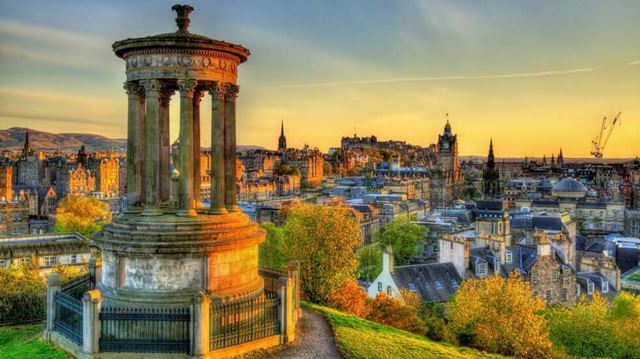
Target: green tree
x=85, y=215
x=271, y=251
x=369, y=262
x=323, y=239
x=403, y=236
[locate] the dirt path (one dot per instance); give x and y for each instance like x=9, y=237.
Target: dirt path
x=313, y=340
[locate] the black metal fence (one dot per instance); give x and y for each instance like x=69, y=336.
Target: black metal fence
x=78, y=287
x=68, y=317
x=145, y=330
x=243, y=321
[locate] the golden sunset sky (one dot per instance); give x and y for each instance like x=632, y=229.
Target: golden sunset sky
x=535, y=76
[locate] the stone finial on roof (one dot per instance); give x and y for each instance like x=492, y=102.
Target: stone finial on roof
x=182, y=18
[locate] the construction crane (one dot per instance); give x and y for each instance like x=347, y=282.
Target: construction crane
x=600, y=142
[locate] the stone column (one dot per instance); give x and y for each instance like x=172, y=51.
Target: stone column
x=231, y=93
x=53, y=286
x=152, y=147
x=135, y=142
x=201, y=325
x=217, y=149
x=165, y=146
x=91, y=303
x=187, y=88
x=197, y=97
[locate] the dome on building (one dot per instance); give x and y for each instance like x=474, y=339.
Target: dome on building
x=569, y=188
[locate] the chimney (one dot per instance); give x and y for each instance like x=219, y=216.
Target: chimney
x=544, y=247
x=387, y=260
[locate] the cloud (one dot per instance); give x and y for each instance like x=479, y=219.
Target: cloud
x=434, y=78
x=54, y=46
x=634, y=63
x=445, y=17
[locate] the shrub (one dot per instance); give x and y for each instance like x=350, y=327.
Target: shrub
x=387, y=310
x=350, y=298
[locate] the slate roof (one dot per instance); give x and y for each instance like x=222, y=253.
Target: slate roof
x=494, y=205
x=582, y=278
x=434, y=281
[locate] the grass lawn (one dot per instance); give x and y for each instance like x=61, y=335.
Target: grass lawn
x=359, y=338
x=25, y=342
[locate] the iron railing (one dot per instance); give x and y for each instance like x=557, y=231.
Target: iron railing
x=77, y=287
x=68, y=317
x=243, y=321
x=145, y=330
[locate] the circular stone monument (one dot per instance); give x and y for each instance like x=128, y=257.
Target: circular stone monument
x=166, y=245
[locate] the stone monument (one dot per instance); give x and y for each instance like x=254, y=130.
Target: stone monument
x=162, y=251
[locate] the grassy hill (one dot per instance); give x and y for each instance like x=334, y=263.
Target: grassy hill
x=358, y=338
x=25, y=341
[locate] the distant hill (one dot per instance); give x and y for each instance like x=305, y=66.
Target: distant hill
x=13, y=138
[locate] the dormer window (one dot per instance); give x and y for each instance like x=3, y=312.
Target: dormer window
x=509, y=256
x=590, y=287
x=605, y=286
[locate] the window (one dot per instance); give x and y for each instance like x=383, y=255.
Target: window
x=379, y=286
x=74, y=259
x=555, y=275
x=578, y=290
x=482, y=269
x=2, y=263
x=50, y=260
x=509, y=256
x=605, y=286
x=388, y=290
x=534, y=277
x=548, y=295
x=589, y=287
x=563, y=294
x=25, y=260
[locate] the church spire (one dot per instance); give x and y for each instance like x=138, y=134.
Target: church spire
x=26, y=149
x=491, y=160
x=282, y=140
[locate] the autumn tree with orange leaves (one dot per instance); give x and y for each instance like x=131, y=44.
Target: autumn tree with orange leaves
x=387, y=310
x=500, y=316
x=350, y=298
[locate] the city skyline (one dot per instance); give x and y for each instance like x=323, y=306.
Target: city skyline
x=534, y=79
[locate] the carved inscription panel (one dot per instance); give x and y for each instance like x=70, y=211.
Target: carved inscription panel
x=162, y=273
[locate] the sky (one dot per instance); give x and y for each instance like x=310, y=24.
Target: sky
x=535, y=76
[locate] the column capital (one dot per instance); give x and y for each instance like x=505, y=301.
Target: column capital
x=151, y=87
x=231, y=92
x=217, y=90
x=187, y=87
x=165, y=95
x=198, y=95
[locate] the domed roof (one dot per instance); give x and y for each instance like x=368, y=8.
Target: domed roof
x=570, y=186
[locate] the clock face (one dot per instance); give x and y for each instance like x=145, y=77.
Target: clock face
x=445, y=146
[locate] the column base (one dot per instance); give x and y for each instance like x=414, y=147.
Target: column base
x=187, y=213
x=221, y=210
x=234, y=208
x=151, y=211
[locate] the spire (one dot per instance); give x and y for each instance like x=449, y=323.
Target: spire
x=447, y=126
x=26, y=149
x=282, y=140
x=491, y=158
x=560, y=159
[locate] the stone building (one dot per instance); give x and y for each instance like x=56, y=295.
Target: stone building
x=108, y=179
x=310, y=163
x=14, y=218
x=491, y=176
x=6, y=182
x=82, y=181
x=47, y=250
x=29, y=166
x=446, y=177
x=632, y=223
